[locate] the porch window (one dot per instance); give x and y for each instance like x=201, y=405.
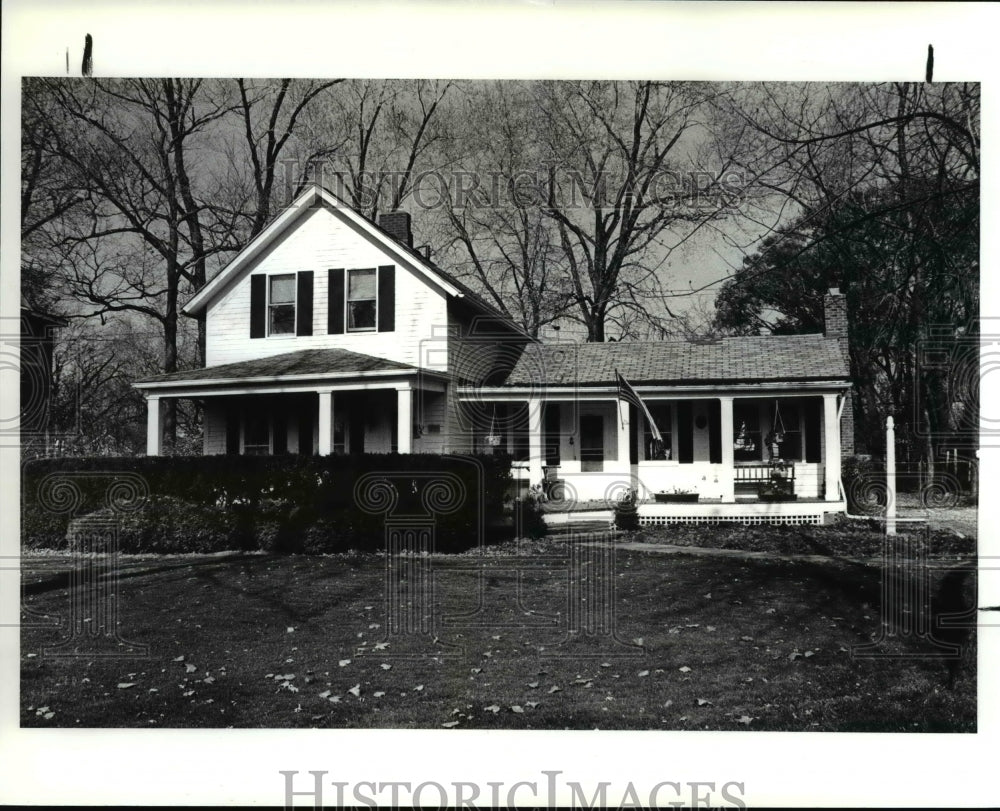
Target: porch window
x=661, y=414
x=361, y=300
x=281, y=304
x=257, y=436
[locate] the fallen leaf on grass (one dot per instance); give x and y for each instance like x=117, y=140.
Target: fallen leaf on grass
x=355, y=691
x=745, y=719
x=704, y=702
x=685, y=669
x=290, y=630
x=379, y=693
x=124, y=685
x=477, y=670
x=418, y=688
x=325, y=694
x=532, y=704
x=533, y=684
x=555, y=689
x=189, y=668
x=643, y=673
x=493, y=708
x=637, y=641
x=516, y=708
x=344, y=662
x=179, y=658
x=450, y=724
x=386, y=666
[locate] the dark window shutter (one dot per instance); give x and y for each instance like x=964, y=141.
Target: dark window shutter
x=715, y=432
x=304, y=308
x=279, y=436
x=813, y=419
x=232, y=432
x=387, y=298
x=335, y=298
x=258, y=305
x=685, y=433
x=552, y=426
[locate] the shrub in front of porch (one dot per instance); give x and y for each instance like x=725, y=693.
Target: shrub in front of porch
x=273, y=504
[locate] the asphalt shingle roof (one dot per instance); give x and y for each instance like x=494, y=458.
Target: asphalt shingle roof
x=739, y=359
x=303, y=362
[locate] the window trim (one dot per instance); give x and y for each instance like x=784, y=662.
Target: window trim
x=295, y=304
x=347, y=300
x=270, y=437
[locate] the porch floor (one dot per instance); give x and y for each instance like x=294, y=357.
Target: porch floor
x=800, y=511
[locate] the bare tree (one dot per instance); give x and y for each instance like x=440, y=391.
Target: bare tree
x=383, y=131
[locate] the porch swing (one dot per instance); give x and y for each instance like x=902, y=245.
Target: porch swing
x=776, y=436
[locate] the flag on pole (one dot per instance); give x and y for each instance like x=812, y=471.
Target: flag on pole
x=630, y=395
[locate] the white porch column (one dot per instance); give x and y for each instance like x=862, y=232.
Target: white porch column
x=728, y=459
x=535, y=455
x=624, y=451
x=831, y=447
x=154, y=425
x=404, y=419
x=325, y=422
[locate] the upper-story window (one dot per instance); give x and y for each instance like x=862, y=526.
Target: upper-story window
x=281, y=304
x=362, y=299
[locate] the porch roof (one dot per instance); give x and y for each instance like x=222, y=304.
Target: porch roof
x=745, y=359
x=305, y=363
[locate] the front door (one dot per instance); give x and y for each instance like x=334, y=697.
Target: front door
x=591, y=442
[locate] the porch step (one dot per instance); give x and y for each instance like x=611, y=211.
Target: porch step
x=578, y=527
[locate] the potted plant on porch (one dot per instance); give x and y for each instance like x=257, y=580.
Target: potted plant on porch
x=779, y=487
x=676, y=496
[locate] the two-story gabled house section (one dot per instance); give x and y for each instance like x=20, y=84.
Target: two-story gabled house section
x=328, y=334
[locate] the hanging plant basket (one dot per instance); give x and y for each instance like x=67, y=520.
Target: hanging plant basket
x=493, y=440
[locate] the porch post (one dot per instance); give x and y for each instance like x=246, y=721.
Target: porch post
x=325, y=422
x=831, y=447
x=624, y=451
x=535, y=457
x=154, y=425
x=728, y=459
x=404, y=419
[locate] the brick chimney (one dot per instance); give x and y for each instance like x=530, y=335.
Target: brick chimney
x=397, y=225
x=835, y=326
x=835, y=315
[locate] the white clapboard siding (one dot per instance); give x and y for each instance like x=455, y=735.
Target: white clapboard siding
x=809, y=479
x=317, y=242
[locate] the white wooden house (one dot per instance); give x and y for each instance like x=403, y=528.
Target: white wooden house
x=330, y=334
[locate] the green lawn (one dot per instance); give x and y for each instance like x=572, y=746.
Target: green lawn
x=258, y=641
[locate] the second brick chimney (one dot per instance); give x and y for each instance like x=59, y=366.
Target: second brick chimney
x=397, y=225
x=835, y=326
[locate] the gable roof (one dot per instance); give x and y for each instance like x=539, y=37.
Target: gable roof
x=310, y=197
x=303, y=363
x=729, y=360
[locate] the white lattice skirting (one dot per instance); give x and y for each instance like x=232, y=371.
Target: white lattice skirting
x=783, y=513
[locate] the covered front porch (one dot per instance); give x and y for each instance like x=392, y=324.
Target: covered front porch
x=328, y=402
x=735, y=448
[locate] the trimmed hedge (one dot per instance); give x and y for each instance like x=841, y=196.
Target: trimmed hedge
x=270, y=503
